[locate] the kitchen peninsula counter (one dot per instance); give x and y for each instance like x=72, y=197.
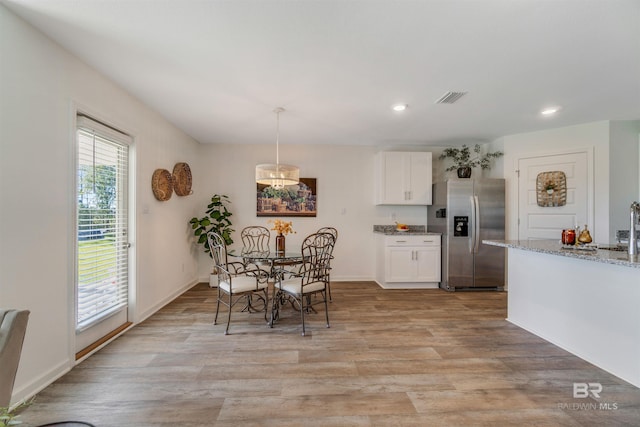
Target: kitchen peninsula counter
x=585, y=302
x=608, y=254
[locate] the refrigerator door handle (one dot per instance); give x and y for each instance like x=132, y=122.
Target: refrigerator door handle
x=472, y=225
x=476, y=224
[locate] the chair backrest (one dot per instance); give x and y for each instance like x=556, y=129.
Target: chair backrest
x=329, y=230
x=255, y=238
x=334, y=233
x=316, y=257
x=13, y=327
x=218, y=249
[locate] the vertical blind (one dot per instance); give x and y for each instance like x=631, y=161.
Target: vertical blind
x=102, y=241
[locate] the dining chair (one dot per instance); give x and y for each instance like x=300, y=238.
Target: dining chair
x=330, y=230
x=255, y=238
x=311, y=280
x=13, y=327
x=237, y=281
x=334, y=233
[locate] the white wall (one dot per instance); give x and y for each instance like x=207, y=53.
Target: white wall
x=345, y=189
x=625, y=174
x=40, y=86
x=591, y=135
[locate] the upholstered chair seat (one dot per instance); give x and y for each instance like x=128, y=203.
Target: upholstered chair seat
x=243, y=284
x=13, y=327
x=294, y=286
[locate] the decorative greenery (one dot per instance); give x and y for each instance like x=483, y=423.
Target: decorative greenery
x=216, y=220
x=8, y=416
x=549, y=185
x=462, y=157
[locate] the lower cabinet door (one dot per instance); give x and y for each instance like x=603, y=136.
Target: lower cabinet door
x=428, y=264
x=412, y=264
x=401, y=265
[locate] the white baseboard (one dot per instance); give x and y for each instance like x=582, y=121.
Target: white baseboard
x=35, y=386
x=409, y=285
x=175, y=294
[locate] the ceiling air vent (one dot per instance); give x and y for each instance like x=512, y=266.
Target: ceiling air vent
x=450, y=97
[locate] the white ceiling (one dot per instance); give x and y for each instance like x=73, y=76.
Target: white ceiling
x=217, y=69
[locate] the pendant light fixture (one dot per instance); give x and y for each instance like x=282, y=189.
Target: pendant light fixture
x=277, y=175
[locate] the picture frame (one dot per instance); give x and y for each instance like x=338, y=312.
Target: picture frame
x=300, y=200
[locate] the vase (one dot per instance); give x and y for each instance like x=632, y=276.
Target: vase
x=280, y=243
x=464, y=172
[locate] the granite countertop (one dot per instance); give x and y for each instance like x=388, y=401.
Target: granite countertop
x=612, y=255
x=414, y=230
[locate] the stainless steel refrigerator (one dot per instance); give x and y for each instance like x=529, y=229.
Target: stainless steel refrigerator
x=465, y=212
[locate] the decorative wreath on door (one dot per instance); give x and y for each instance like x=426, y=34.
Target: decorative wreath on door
x=551, y=189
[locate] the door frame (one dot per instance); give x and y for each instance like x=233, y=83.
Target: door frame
x=514, y=204
x=75, y=109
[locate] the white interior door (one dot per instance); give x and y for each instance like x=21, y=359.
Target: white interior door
x=537, y=222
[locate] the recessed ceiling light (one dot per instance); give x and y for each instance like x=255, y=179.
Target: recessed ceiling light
x=400, y=107
x=549, y=111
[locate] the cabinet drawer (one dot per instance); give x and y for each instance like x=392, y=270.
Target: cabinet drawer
x=399, y=240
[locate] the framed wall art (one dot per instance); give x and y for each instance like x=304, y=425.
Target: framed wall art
x=292, y=200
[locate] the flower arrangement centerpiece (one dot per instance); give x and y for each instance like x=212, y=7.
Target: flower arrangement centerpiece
x=282, y=228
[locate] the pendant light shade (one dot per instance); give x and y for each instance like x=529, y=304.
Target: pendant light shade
x=275, y=174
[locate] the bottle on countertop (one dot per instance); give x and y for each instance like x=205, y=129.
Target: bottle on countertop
x=585, y=237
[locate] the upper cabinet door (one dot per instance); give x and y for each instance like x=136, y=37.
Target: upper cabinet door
x=390, y=178
x=420, y=178
x=403, y=178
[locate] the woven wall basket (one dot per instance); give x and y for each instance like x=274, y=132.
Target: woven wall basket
x=554, y=196
x=182, y=179
x=162, y=184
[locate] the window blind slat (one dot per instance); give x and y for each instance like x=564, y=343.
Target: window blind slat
x=102, y=253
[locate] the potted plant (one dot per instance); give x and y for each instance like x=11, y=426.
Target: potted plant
x=216, y=220
x=9, y=416
x=463, y=162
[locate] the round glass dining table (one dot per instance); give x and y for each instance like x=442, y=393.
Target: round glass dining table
x=275, y=259
x=277, y=262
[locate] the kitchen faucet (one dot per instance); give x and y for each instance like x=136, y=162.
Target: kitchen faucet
x=633, y=238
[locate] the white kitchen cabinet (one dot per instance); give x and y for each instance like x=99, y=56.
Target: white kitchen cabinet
x=409, y=261
x=403, y=178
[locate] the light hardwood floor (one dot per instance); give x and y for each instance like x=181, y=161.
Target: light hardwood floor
x=390, y=358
